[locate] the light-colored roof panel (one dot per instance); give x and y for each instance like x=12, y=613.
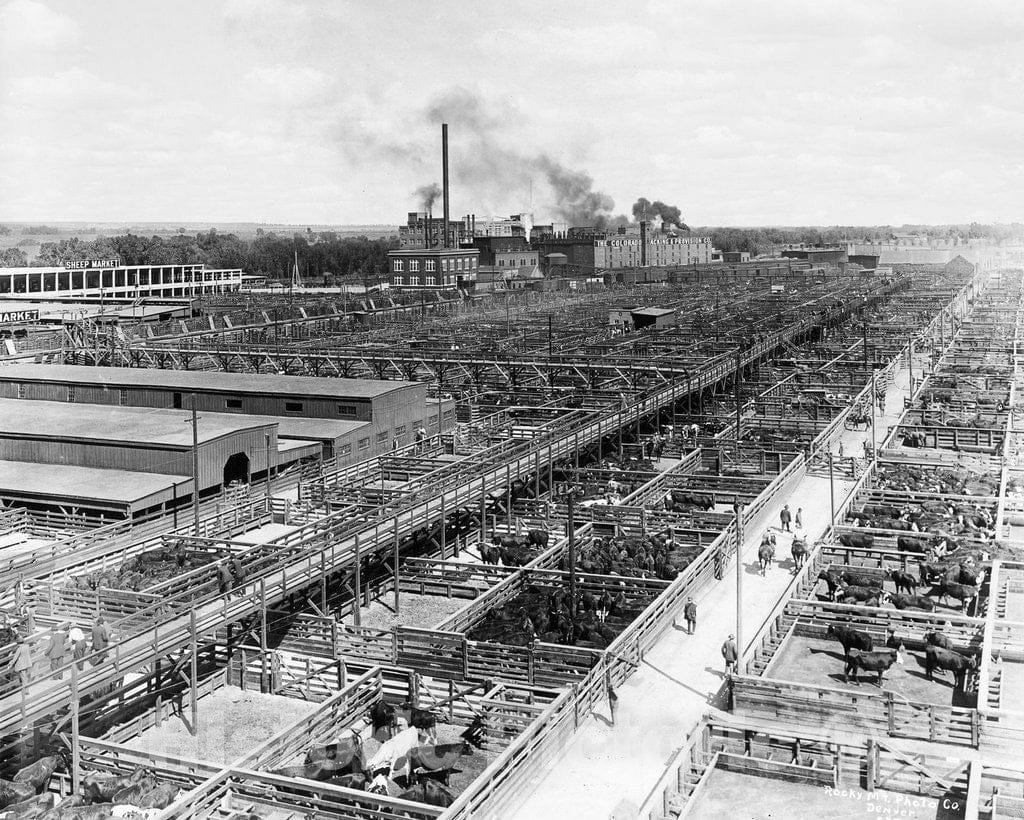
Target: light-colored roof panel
x=204, y=380
x=86, y=483
x=97, y=422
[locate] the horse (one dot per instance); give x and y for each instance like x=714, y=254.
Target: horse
x=765, y=555
x=799, y=553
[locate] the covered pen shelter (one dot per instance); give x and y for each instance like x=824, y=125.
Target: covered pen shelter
x=125, y=444
x=88, y=491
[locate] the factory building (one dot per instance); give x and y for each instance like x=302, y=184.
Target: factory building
x=422, y=230
x=589, y=249
x=108, y=279
x=433, y=268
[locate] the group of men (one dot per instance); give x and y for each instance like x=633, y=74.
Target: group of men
x=65, y=639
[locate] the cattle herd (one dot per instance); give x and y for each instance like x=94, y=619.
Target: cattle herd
x=140, y=794
x=145, y=570
x=860, y=655
x=408, y=761
x=547, y=615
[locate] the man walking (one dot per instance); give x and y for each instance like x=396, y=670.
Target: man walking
x=78, y=648
x=730, y=654
x=785, y=516
x=57, y=648
x=690, y=613
x=798, y=522
x=22, y=663
x=100, y=640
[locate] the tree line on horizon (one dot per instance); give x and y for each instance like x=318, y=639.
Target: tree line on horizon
x=324, y=258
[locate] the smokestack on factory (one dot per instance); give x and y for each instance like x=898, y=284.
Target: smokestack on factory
x=444, y=179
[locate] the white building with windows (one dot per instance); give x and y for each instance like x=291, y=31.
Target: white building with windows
x=109, y=279
x=435, y=268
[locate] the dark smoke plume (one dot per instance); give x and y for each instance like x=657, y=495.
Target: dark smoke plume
x=490, y=170
x=669, y=215
x=427, y=195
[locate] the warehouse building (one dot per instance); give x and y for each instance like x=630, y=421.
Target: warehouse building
x=433, y=268
x=352, y=419
x=109, y=279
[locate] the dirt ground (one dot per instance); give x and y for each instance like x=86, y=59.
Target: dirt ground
x=819, y=662
x=425, y=611
x=231, y=723
x=747, y=797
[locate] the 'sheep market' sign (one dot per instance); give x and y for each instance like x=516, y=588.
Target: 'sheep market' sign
x=92, y=263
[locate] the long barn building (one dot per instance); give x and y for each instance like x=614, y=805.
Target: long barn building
x=125, y=422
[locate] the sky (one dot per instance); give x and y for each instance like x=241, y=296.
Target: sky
x=739, y=113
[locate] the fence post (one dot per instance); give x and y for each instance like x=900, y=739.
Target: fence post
x=889, y=711
x=576, y=705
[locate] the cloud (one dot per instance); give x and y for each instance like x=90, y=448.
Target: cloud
x=290, y=85
x=28, y=24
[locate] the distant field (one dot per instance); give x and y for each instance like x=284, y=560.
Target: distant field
x=30, y=243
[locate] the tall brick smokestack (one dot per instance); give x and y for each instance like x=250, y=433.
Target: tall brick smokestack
x=444, y=180
x=643, y=243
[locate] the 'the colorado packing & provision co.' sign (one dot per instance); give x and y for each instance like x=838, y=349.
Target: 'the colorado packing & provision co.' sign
x=8, y=317
x=92, y=263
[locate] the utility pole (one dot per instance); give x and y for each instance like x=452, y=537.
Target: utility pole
x=866, y=347
x=739, y=401
x=873, y=408
x=550, y=343
x=356, y=614
x=195, y=469
x=831, y=490
x=570, y=504
x=738, y=510
x=269, y=493
x=910, y=363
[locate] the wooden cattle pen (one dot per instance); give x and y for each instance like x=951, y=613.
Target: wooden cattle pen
x=556, y=411
x=815, y=772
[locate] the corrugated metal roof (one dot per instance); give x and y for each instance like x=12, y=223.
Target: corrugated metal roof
x=203, y=381
x=96, y=422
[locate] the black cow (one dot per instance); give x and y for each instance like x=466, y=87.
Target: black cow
x=422, y=719
x=937, y=639
x=101, y=788
x=38, y=774
x=904, y=581
x=11, y=792
x=430, y=792
x=853, y=594
x=539, y=538
x=861, y=540
x=964, y=593
x=901, y=601
x=915, y=545
x=856, y=579
x=438, y=760
x=935, y=657
x=342, y=757
x=831, y=581
x=860, y=661
x=850, y=638
x=382, y=718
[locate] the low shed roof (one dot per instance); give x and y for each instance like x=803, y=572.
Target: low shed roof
x=72, y=484
x=188, y=381
x=56, y=420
